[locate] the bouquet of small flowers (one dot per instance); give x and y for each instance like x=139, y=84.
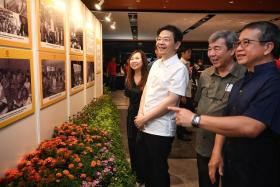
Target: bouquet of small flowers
x=77, y=155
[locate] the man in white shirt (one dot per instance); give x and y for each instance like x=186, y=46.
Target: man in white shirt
x=167, y=81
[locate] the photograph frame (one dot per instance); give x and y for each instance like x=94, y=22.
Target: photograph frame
x=57, y=97
x=90, y=33
x=77, y=7
x=48, y=46
x=12, y=40
x=25, y=110
x=80, y=87
x=98, y=55
x=90, y=60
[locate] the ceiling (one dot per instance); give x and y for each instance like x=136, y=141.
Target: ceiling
x=139, y=20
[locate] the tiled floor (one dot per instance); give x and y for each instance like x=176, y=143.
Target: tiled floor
x=183, y=171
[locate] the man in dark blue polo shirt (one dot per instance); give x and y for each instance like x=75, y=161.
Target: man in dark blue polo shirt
x=251, y=148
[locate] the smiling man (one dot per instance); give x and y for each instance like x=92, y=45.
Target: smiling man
x=166, y=82
x=214, y=86
x=252, y=128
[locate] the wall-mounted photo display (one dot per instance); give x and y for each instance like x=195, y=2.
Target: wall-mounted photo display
x=51, y=24
x=77, y=74
x=15, y=23
x=98, y=56
x=90, y=33
x=52, y=78
x=16, y=85
x=76, y=17
x=90, y=72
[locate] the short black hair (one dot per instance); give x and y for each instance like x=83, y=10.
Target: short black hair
x=177, y=34
x=269, y=33
x=184, y=49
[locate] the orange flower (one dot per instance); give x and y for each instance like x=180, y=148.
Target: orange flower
x=83, y=176
x=58, y=175
x=71, y=166
x=66, y=172
x=93, y=164
x=98, y=163
x=80, y=165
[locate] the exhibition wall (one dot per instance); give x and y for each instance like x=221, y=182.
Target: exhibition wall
x=50, y=68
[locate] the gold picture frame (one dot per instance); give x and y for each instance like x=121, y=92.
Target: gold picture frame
x=98, y=55
x=15, y=30
x=17, y=98
x=51, y=25
x=90, y=74
x=53, y=82
x=76, y=74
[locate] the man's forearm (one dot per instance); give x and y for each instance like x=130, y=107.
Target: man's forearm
x=237, y=126
x=218, y=145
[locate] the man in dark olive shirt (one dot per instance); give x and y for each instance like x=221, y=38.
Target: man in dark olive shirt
x=214, y=86
x=252, y=129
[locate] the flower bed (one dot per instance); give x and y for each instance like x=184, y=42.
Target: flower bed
x=78, y=154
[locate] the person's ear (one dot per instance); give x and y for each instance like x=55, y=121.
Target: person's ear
x=268, y=47
x=177, y=45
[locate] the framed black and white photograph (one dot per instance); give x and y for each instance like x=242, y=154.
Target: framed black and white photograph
x=77, y=74
x=53, y=78
x=51, y=23
x=90, y=33
x=15, y=23
x=90, y=72
x=16, y=85
x=76, y=23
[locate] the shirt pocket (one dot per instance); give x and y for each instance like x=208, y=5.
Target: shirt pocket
x=216, y=93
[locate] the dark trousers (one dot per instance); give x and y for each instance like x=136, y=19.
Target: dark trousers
x=112, y=82
x=203, y=172
x=135, y=154
x=154, y=154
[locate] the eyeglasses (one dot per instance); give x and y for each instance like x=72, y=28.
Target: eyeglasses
x=244, y=43
x=165, y=40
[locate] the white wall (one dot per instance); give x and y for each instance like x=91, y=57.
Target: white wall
x=24, y=135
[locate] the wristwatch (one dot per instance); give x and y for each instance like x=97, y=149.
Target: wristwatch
x=196, y=120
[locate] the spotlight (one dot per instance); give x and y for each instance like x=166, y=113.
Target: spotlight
x=98, y=5
x=113, y=26
x=108, y=17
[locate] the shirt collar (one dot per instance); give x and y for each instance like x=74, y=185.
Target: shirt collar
x=170, y=60
x=234, y=70
x=264, y=67
x=184, y=61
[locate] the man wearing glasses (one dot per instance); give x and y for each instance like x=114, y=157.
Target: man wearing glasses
x=166, y=82
x=214, y=86
x=252, y=129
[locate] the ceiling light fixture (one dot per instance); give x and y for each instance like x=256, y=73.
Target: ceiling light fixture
x=108, y=17
x=98, y=5
x=113, y=26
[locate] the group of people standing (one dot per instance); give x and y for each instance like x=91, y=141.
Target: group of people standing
x=237, y=115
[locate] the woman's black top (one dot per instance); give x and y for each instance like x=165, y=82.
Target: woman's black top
x=134, y=94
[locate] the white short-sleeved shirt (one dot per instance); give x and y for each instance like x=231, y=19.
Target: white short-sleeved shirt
x=165, y=76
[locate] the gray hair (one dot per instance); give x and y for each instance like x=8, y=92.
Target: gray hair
x=230, y=37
